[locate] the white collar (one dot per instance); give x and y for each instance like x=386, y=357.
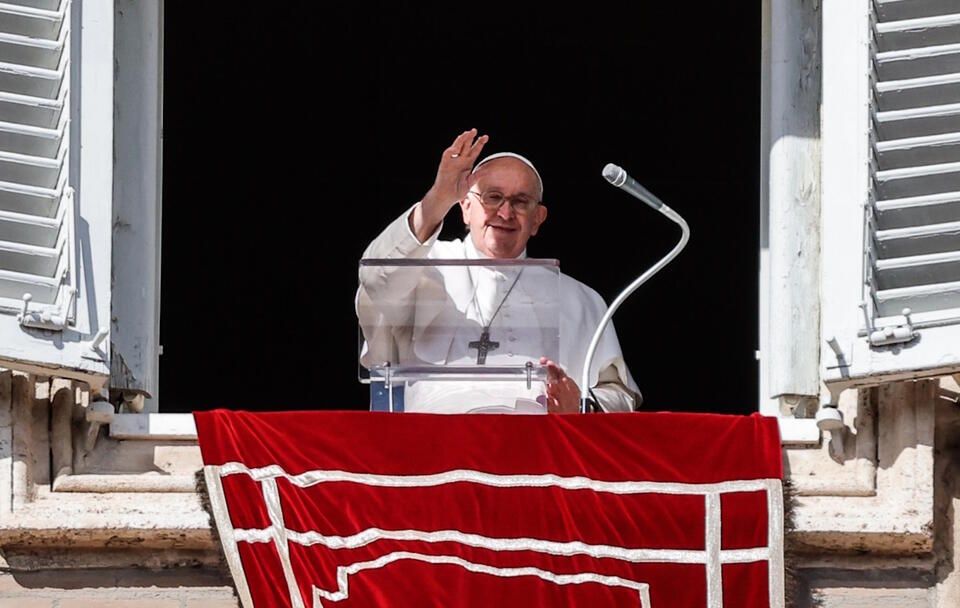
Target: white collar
x=474, y=254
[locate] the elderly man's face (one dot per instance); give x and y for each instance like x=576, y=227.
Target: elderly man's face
x=503, y=232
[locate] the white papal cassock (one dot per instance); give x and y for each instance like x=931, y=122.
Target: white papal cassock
x=411, y=319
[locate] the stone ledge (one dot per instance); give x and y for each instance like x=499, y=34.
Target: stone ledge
x=130, y=483
x=892, y=543
x=147, y=562
x=895, y=462
x=159, y=520
x=153, y=427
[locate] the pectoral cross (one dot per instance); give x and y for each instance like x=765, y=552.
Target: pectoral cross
x=483, y=346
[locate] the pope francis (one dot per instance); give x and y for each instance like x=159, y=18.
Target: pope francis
x=500, y=199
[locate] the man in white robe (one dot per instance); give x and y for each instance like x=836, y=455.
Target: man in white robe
x=411, y=318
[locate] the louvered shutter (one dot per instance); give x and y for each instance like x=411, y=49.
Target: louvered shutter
x=37, y=211
x=915, y=249
x=892, y=186
x=56, y=182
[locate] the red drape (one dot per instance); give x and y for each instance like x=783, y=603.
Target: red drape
x=374, y=509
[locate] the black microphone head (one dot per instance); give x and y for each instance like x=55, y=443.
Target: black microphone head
x=614, y=174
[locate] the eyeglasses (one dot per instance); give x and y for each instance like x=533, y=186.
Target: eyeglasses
x=492, y=200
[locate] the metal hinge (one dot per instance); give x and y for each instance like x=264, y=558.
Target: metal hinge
x=891, y=334
x=46, y=319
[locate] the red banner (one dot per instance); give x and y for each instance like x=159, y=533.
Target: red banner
x=367, y=509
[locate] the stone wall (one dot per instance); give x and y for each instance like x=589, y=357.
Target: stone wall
x=116, y=588
x=99, y=515
x=875, y=519
x=101, y=509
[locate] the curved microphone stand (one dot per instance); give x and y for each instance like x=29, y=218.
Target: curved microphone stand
x=619, y=178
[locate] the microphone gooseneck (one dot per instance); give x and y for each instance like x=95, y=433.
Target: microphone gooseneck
x=619, y=178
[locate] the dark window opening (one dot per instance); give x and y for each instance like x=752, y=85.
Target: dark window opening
x=293, y=135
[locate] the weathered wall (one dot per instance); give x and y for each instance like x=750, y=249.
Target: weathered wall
x=113, y=519
x=875, y=520
x=115, y=588
x=87, y=519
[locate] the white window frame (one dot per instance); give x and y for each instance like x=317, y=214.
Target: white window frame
x=137, y=209
x=781, y=379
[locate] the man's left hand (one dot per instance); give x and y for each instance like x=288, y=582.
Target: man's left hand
x=563, y=394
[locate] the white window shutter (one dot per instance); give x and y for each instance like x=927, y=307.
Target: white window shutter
x=47, y=190
x=891, y=190
x=37, y=239
x=915, y=221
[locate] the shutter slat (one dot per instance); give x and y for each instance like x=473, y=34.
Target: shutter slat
x=918, y=92
x=31, y=170
x=917, y=181
x=42, y=202
x=920, y=32
x=932, y=261
x=934, y=149
x=917, y=240
x=919, y=23
x=924, y=61
x=918, y=210
x=922, y=298
x=917, y=122
x=36, y=206
x=915, y=244
x=29, y=140
x=14, y=284
x=28, y=80
x=927, y=269
x=902, y=10
x=29, y=259
x=47, y=5
x=31, y=22
x=26, y=111
x=17, y=53
x=29, y=229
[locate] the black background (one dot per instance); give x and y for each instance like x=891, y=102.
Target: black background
x=295, y=131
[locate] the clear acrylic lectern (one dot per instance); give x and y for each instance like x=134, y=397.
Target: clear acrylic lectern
x=458, y=336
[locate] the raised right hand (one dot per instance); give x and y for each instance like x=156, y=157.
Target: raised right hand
x=451, y=184
x=456, y=164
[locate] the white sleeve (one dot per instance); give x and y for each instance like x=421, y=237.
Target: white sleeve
x=612, y=395
x=382, y=297
x=398, y=241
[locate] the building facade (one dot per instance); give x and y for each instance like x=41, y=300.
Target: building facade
x=90, y=514
x=859, y=309
x=860, y=304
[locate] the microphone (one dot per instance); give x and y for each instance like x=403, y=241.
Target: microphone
x=619, y=178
